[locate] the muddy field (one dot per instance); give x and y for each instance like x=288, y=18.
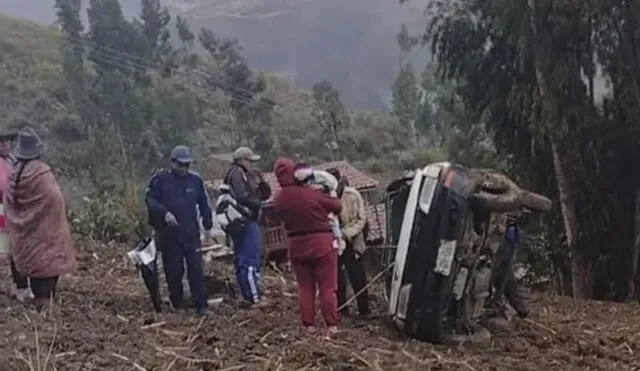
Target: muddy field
x=102, y=321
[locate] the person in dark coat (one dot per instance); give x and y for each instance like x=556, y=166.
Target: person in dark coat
x=304, y=212
x=249, y=189
x=505, y=283
x=174, y=199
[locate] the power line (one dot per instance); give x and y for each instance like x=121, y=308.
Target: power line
x=143, y=63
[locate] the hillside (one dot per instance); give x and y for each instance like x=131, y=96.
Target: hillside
x=30, y=73
x=350, y=43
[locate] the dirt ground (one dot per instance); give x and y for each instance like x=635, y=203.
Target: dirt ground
x=103, y=321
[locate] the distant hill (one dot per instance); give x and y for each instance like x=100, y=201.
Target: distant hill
x=350, y=43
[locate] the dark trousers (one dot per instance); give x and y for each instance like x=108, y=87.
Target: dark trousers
x=44, y=288
x=352, y=267
x=176, y=251
x=20, y=281
x=504, y=279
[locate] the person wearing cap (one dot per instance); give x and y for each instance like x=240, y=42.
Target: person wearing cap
x=36, y=218
x=249, y=189
x=353, y=219
x=174, y=200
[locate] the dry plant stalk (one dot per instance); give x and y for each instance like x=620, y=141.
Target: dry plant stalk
x=39, y=364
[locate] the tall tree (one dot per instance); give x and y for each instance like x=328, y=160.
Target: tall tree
x=406, y=100
x=331, y=115
x=245, y=89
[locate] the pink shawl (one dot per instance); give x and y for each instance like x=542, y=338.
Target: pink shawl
x=35, y=212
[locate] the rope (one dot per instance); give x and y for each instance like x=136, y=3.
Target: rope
x=374, y=279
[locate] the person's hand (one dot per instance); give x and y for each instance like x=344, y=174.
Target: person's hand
x=170, y=219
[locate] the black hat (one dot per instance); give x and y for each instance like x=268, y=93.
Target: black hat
x=29, y=145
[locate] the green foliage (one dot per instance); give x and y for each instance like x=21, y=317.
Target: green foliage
x=103, y=218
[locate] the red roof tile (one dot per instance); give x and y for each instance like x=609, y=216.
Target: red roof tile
x=357, y=178
x=376, y=215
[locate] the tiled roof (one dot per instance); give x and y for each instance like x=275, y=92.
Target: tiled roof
x=376, y=216
x=357, y=178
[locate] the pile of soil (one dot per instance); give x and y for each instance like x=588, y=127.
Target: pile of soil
x=103, y=321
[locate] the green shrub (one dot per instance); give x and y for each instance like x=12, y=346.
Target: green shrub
x=105, y=218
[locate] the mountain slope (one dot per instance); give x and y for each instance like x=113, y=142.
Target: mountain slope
x=350, y=43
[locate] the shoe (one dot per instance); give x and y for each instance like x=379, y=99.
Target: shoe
x=521, y=310
x=523, y=313
x=332, y=330
x=311, y=329
x=365, y=314
x=23, y=295
x=203, y=312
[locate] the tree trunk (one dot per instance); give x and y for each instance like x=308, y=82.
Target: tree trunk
x=580, y=268
x=635, y=251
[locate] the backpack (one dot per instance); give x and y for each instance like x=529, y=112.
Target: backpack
x=230, y=215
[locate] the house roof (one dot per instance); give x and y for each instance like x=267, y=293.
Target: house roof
x=357, y=179
x=376, y=215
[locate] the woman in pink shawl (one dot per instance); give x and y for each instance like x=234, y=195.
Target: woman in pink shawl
x=5, y=172
x=35, y=215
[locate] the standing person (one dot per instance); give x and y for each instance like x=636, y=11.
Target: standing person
x=249, y=189
x=7, y=161
x=304, y=212
x=174, y=198
x=21, y=289
x=36, y=218
x=504, y=281
x=353, y=219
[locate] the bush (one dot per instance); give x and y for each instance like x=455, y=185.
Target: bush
x=104, y=218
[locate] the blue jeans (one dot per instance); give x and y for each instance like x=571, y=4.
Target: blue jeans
x=246, y=262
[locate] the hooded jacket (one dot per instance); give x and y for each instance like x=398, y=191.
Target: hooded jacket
x=304, y=213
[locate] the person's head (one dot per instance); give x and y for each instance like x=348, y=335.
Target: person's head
x=245, y=157
x=29, y=146
x=283, y=170
x=342, y=181
x=6, y=141
x=302, y=173
x=181, y=160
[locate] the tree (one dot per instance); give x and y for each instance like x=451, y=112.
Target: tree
x=529, y=69
x=154, y=27
x=331, y=116
x=406, y=100
x=245, y=89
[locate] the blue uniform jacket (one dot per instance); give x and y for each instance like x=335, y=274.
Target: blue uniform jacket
x=183, y=196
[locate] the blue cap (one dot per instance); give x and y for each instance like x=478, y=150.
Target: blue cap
x=181, y=154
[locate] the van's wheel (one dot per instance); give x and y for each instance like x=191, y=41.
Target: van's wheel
x=433, y=326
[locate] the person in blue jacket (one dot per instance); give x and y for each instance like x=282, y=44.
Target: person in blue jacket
x=174, y=200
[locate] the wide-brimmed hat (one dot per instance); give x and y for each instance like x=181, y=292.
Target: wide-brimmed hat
x=28, y=145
